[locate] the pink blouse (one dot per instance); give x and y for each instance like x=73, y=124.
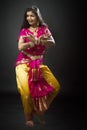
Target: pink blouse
x=37, y=49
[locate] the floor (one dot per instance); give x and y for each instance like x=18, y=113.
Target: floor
x=65, y=113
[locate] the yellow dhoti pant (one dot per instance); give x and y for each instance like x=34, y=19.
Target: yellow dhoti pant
x=22, y=76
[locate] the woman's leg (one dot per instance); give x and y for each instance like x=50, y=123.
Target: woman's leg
x=51, y=80
x=23, y=89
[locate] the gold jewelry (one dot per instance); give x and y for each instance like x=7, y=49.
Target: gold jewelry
x=41, y=41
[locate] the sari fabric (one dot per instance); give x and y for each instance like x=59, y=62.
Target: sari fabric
x=36, y=83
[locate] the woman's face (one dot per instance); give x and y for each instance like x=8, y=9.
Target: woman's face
x=31, y=18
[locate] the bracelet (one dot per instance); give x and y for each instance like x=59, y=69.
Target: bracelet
x=41, y=41
x=38, y=41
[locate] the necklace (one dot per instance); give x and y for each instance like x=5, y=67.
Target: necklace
x=34, y=30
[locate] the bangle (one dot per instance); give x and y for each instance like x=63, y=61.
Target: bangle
x=41, y=41
x=38, y=41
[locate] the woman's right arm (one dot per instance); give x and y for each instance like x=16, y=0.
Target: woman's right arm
x=22, y=45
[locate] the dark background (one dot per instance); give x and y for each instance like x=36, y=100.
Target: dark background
x=66, y=21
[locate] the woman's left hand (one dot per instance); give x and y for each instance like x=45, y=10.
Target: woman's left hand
x=32, y=38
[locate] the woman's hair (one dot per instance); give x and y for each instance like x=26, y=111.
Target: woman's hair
x=36, y=11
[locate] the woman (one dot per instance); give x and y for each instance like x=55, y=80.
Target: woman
x=35, y=81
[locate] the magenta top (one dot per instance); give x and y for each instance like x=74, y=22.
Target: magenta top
x=37, y=49
x=37, y=85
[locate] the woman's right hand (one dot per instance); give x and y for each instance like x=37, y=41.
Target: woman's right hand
x=22, y=45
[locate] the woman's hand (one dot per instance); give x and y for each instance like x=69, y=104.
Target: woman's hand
x=47, y=40
x=30, y=37
x=22, y=45
x=44, y=39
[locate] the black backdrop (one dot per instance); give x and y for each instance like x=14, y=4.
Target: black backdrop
x=66, y=22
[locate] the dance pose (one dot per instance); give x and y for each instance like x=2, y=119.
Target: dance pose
x=35, y=82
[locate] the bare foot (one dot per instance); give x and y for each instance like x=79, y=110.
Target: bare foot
x=30, y=123
x=39, y=117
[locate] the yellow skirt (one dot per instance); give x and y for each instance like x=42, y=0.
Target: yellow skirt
x=23, y=87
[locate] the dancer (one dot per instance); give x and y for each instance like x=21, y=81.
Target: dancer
x=35, y=82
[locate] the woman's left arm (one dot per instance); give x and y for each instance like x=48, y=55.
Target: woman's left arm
x=47, y=40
